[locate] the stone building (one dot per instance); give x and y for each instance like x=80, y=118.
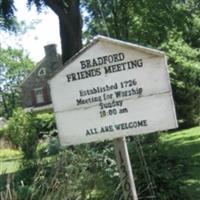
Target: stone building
x=35, y=89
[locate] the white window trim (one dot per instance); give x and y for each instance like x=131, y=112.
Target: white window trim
x=40, y=70
x=39, y=98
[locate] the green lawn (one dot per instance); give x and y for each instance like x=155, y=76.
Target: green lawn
x=183, y=148
x=9, y=166
x=9, y=160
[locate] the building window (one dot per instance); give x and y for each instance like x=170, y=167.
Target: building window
x=42, y=72
x=39, y=95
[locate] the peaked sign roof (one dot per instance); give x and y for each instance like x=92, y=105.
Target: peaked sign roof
x=100, y=38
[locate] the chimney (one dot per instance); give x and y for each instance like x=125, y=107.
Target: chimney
x=50, y=51
x=52, y=57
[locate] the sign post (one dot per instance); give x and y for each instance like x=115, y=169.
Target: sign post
x=124, y=165
x=113, y=89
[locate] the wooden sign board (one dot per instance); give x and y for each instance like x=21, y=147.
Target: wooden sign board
x=112, y=89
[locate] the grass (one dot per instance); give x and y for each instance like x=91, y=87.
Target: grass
x=183, y=147
x=9, y=160
x=177, y=165
x=9, y=166
x=6, y=154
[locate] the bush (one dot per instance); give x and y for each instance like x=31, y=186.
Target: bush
x=71, y=174
x=45, y=124
x=49, y=147
x=22, y=132
x=3, y=132
x=24, y=192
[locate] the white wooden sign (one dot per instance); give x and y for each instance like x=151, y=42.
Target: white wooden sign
x=112, y=89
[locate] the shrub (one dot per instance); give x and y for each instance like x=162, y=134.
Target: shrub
x=49, y=147
x=22, y=132
x=3, y=132
x=45, y=124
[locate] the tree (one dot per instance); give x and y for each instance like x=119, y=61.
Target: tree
x=172, y=26
x=70, y=21
x=7, y=19
x=14, y=66
x=185, y=78
x=144, y=22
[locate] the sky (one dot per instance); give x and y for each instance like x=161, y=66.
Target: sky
x=46, y=31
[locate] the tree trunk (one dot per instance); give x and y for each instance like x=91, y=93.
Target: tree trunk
x=70, y=22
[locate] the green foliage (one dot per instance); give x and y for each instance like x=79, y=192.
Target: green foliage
x=89, y=172
x=10, y=166
x=145, y=22
x=172, y=161
x=185, y=78
x=54, y=146
x=2, y=132
x=48, y=147
x=23, y=133
x=172, y=26
x=180, y=155
x=14, y=66
x=46, y=125
x=9, y=154
x=40, y=4
x=85, y=172
x=191, y=35
x=7, y=18
x=24, y=192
